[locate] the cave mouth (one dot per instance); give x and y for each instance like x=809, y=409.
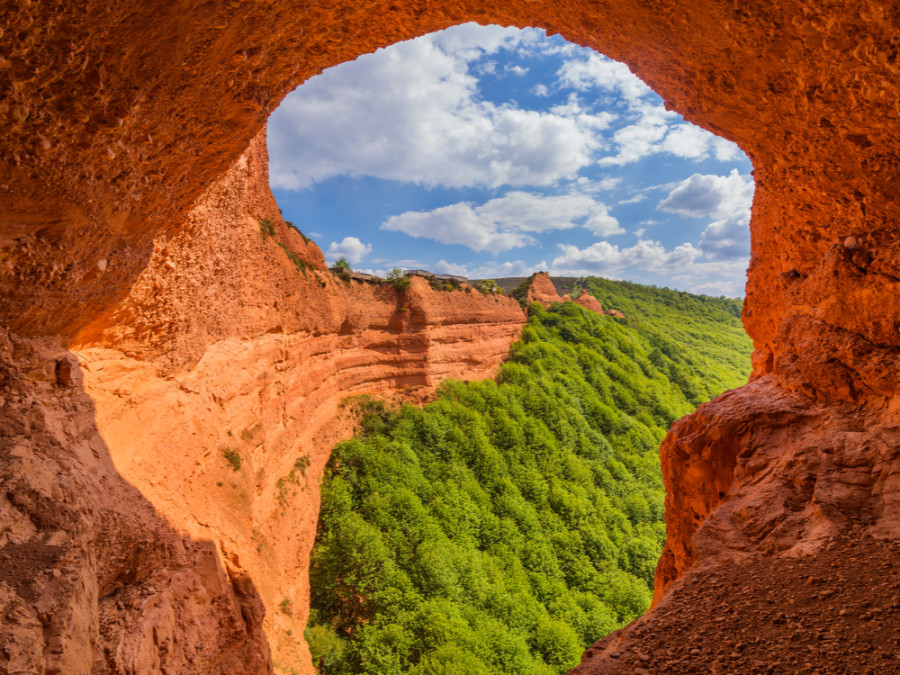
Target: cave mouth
x=119, y=118
x=446, y=153
x=485, y=152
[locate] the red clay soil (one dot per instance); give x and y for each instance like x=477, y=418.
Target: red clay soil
x=833, y=613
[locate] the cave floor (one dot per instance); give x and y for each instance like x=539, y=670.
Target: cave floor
x=834, y=612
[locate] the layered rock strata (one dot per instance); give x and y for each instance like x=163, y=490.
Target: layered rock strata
x=185, y=431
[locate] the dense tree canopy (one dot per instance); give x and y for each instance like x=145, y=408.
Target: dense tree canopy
x=509, y=524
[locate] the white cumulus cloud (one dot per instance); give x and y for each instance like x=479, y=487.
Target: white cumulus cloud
x=651, y=129
x=444, y=267
x=605, y=258
x=728, y=238
x=350, y=248
x=501, y=270
x=705, y=195
x=506, y=222
x=713, y=278
x=727, y=199
x=682, y=266
x=413, y=113
x=688, y=141
x=600, y=72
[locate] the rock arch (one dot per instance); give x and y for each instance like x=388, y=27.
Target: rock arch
x=119, y=117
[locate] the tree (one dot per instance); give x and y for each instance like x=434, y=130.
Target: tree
x=507, y=525
x=398, y=279
x=487, y=286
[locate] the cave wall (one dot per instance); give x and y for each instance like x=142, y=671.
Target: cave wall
x=125, y=127
x=225, y=344
x=92, y=578
x=118, y=117
x=236, y=341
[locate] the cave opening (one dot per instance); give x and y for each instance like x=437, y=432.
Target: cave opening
x=484, y=152
x=121, y=117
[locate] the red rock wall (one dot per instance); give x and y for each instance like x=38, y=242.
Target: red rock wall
x=93, y=578
x=120, y=117
x=105, y=146
x=222, y=344
x=783, y=519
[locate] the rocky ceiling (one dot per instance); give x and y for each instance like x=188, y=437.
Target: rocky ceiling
x=117, y=115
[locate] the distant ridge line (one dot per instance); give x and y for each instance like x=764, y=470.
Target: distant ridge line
x=563, y=284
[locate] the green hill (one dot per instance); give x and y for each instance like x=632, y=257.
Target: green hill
x=509, y=524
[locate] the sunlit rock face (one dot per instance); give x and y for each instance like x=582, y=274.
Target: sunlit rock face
x=121, y=123
x=184, y=432
x=542, y=290
x=588, y=301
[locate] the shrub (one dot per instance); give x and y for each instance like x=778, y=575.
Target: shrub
x=286, y=606
x=398, y=279
x=233, y=458
x=301, y=465
x=443, y=284
x=342, y=264
x=489, y=286
x=284, y=483
x=291, y=225
x=266, y=228
x=520, y=292
x=299, y=263
x=326, y=647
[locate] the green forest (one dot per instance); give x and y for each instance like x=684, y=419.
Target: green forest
x=509, y=524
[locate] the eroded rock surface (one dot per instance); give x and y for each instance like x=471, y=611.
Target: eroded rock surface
x=121, y=123
x=588, y=301
x=542, y=290
x=92, y=577
x=782, y=544
x=184, y=433
x=835, y=613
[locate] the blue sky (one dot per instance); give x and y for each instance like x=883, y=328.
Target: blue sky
x=493, y=152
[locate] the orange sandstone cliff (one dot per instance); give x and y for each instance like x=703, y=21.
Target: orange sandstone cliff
x=542, y=290
x=588, y=301
x=207, y=400
x=148, y=325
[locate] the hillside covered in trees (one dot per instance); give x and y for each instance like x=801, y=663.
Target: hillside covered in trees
x=508, y=525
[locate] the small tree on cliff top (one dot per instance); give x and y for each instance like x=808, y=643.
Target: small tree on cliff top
x=398, y=279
